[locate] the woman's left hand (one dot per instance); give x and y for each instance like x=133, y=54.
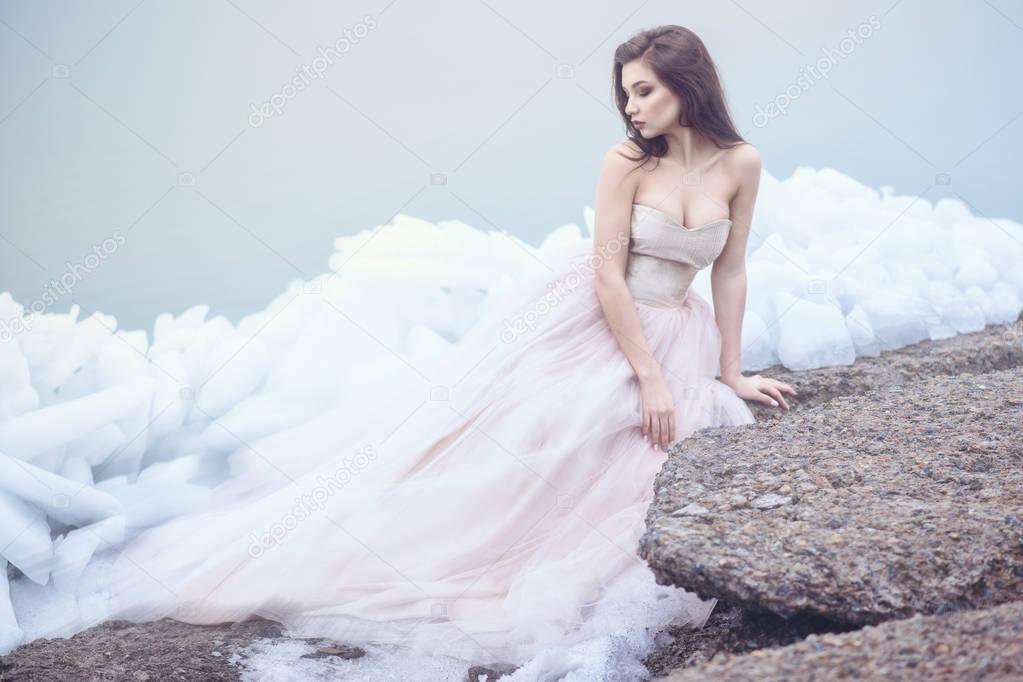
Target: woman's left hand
x=761, y=389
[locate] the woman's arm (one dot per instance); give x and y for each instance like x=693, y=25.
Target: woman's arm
x=728, y=273
x=728, y=286
x=616, y=190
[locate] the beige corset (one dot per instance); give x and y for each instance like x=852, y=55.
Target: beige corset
x=664, y=256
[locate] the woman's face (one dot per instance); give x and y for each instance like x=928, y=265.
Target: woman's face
x=650, y=105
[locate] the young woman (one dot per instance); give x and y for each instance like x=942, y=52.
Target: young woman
x=496, y=516
x=691, y=196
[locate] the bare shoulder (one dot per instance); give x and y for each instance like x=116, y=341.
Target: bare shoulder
x=744, y=160
x=622, y=158
x=625, y=153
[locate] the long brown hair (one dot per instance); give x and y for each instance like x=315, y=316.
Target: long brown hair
x=681, y=61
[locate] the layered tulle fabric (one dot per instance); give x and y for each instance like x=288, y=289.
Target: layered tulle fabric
x=481, y=507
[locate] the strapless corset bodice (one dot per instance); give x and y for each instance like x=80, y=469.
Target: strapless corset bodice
x=664, y=256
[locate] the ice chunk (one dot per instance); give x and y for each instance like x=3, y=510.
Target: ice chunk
x=73, y=551
x=10, y=634
x=61, y=423
x=25, y=538
x=65, y=500
x=812, y=334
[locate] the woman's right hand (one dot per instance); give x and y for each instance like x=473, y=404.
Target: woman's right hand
x=658, y=411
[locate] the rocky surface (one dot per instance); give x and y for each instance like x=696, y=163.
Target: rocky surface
x=119, y=650
x=985, y=644
x=902, y=500
x=993, y=348
x=160, y=650
x=731, y=630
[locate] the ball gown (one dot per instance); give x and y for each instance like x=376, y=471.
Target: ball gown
x=487, y=519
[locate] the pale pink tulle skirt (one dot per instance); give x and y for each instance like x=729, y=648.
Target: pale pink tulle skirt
x=488, y=541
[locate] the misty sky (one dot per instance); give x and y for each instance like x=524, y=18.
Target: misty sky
x=133, y=156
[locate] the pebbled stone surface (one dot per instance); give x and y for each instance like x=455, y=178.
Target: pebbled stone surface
x=993, y=348
x=899, y=501
x=973, y=645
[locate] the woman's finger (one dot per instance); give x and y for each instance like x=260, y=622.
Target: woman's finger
x=778, y=396
x=766, y=390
